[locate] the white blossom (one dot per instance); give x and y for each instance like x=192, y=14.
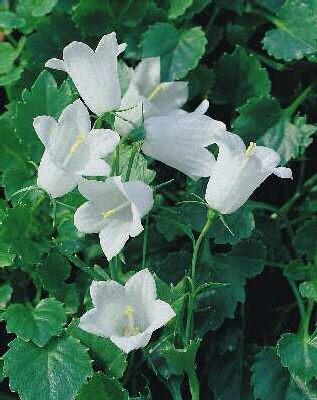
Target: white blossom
x=239, y=171
x=94, y=73
x=129, y=314
x=72, y=149
x=148, y=92
x=114, y=210
x=180, y=140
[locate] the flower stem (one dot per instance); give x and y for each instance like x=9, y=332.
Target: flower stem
x=291, y=109
x=134, y=152
x=145, y=241
x=211, y=216
x=306, y=319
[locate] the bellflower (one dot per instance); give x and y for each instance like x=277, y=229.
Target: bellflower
x=94, y=73
x=180, y=140
x=72, y=149
x=129, y=314
x=114, y=210
x=239, y=171
x=148, y=92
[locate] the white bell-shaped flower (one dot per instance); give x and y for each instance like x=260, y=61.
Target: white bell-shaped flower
x=114, y=210
x=129, y=314
x=72, y=149
x=180, y=140
x=239, y=171
x=147, y=92
x=94, y=73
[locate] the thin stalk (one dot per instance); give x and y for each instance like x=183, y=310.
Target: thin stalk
x=291, y=109
x=145, y=241
x=298, y=298
x=306, y=319
x=134, y=152
x=211, y=216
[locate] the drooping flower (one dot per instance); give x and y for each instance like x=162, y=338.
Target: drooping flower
x=72, y=149
x=146, y=92
x=129, y=314
x=114, y=210
x=239, y=171
x=180, y=140
x=94, y=73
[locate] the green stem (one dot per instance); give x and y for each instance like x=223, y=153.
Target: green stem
x=291, y=109
x=211, y=216
x=298, y=298
x=134, y=152
x=145, y=241
x=306, y=319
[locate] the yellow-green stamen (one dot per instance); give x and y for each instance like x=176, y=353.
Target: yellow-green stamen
x=155, y=91
x=130, y=329
x=78, y=142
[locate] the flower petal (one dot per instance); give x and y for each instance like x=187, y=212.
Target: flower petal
x=54, y=180
x=102, y=142
x=192, y=160
x=202, y=109
x=140, y=194
x=115, y=233
x=55, y=63
x=45, y=127
x=97, y=167
x=88, y=218
x=283, y=172
x=162, y=312
x=129, y=343
x=141, y=286
x=97, y=323
x=169, y=96
x=147, y=75
x=105, y=292
x=68, y=148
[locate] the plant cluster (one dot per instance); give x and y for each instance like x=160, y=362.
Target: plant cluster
x=133, y=264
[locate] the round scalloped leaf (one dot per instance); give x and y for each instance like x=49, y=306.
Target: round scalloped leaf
x=239, y=77
x=102, y=387
x=38, y=324
x=179, y=50
x=54, y=372
x=295, y=35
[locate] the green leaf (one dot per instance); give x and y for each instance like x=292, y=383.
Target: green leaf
x=5, y=295
x=102, y=17
x=271, y=381
x=184, y=360
x=257, y=115
x=241, y=223
x=56, y=371
x=171, y=223
x=246, y=260
x=9, y=20
x=51, y=36
x=297, y=270
x=8, y=55
x=299, y=355
x=102, y=387
x=53, y=272
x=305, y=238
x=173, y=266
x=239, y=77
x=38, y=324
x=309, y=289
x=101, y=350
x=140, y=168
x=178, y=8
x=296, y=32
x=264, y=121
x=44, y=98
x=179, y=50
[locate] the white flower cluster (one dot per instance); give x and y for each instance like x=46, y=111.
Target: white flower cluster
x=115, y=208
